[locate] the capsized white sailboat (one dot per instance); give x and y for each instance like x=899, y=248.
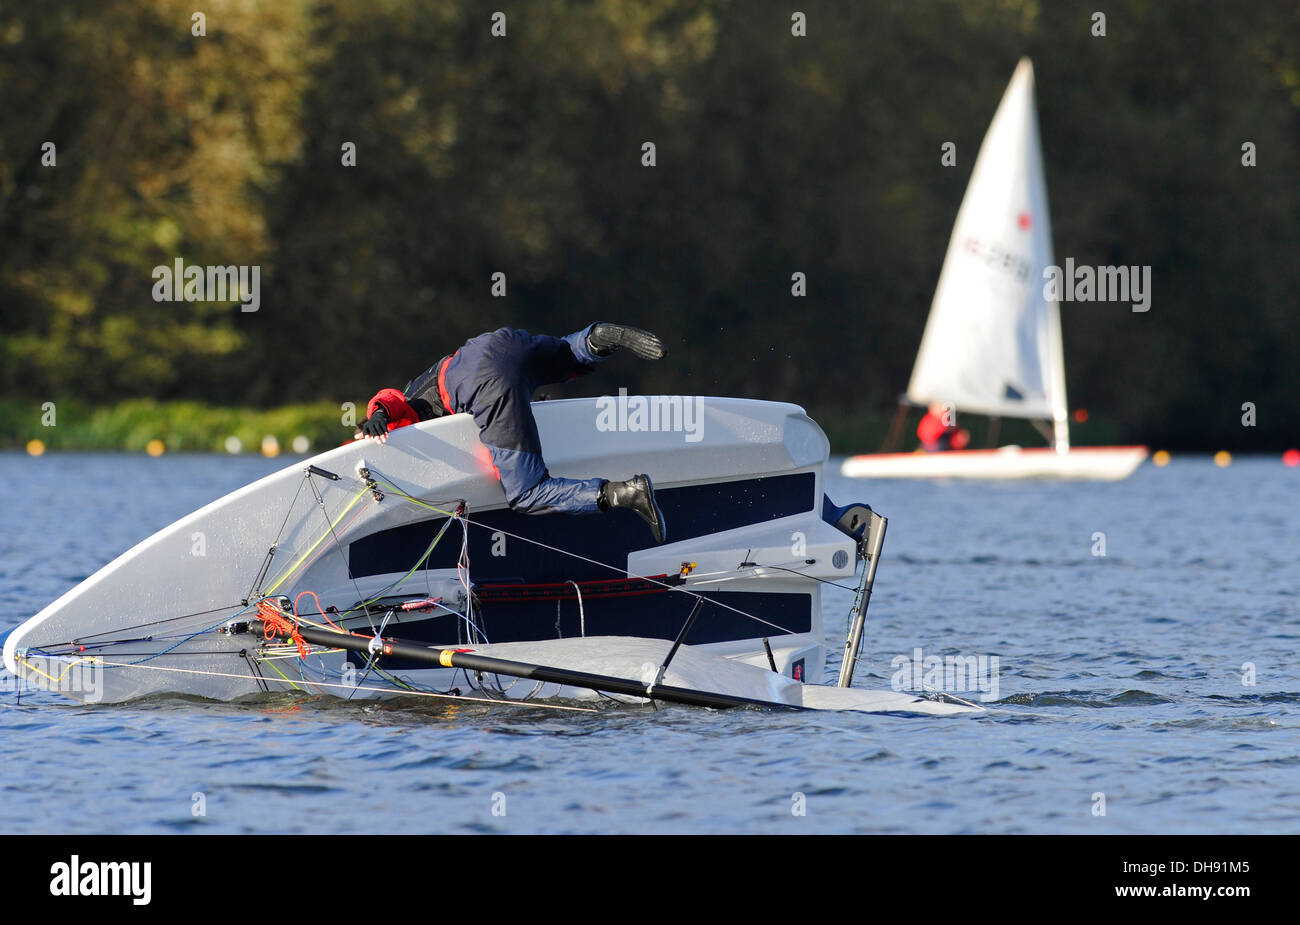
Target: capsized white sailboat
x=992, y=343
x=398, y=570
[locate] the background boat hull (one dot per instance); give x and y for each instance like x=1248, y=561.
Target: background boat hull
x=1108, y=463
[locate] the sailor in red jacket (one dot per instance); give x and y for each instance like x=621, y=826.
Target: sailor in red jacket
x=938, y=430
x=493, y=377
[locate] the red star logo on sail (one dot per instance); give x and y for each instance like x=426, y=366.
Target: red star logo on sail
x=1024, y=221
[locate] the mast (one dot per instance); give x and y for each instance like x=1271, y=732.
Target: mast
x=436, y=657
x=873, y=540
x=1056, y=354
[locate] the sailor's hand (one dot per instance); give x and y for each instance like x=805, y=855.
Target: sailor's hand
x=375, y=427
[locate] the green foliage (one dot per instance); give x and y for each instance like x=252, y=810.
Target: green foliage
x=521, y=154
x=182, y=426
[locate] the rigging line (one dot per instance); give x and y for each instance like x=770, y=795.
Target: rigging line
x=53, y=680
x=338, y=544
x=293, y=568
x=186, y=639
x=270, y=553
x=825, y=581
x=374, y=654
x=320, y=607
x=237, y=606
x=394, y=679
x=243, y=607
x=304, y=666
x=308, y=671
x=302, y=566
x=381, y=593
x=582, y=614
x=84, y=647
x=188, y=653
x=274, y=653
x=463, y=573
x=285, y=676
x=401, y=494
x=181, y=640
x=257, y=672
x=450, y=611
x=306, y=476
x=380, y=690
x=384, y=591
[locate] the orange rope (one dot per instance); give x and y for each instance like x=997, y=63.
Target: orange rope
x=276, y=624
x=319, y=609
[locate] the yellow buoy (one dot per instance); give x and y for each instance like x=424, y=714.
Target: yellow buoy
x=1222, y=459
x=1160, y=458
x=154, y=447
x=270, y=446
x=35, y=447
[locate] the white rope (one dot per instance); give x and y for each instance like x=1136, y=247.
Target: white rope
x=582, y=615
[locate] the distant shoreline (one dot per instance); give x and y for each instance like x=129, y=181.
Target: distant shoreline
x=183, y=426
x=146, y=426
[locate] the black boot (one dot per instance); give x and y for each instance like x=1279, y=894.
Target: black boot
x=606, y=338
x=639, y=495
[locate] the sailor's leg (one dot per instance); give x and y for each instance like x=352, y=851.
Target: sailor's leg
x=605, y=338
x=637, y=494
x=507, y=428
x=553, y=360
x=580, y=345
x=530, y=489
x=587, y=348
x=550, y=495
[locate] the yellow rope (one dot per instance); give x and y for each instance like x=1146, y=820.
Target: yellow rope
x=285, y=676
x=283, y=578
x=51, y=678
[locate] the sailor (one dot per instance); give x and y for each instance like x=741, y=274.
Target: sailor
x=938, y=430
x=493, y=377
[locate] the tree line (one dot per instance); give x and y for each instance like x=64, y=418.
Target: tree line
x=382, y=161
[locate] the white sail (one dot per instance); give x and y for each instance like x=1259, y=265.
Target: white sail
x=992, y=344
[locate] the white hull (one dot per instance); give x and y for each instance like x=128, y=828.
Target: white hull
x=1105, y=464
x=157, y=619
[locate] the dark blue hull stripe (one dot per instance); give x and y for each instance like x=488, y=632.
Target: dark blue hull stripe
x=690, y=511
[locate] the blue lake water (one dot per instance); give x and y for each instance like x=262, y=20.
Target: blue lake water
x=1119, y=675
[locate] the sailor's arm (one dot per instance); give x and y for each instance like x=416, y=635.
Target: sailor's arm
x=386, y=411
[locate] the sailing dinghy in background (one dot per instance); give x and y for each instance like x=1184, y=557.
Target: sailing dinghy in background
x=992, y=344
x=397, y=569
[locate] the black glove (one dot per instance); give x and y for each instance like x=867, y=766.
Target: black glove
x=377, y=424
